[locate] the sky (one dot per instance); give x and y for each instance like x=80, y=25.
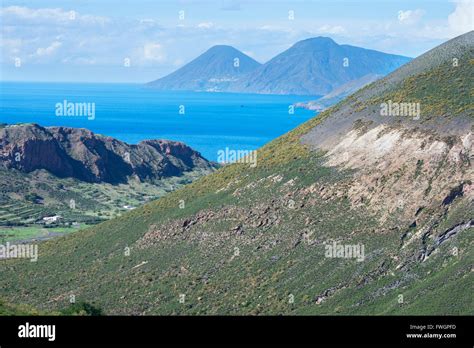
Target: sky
x=142, y=40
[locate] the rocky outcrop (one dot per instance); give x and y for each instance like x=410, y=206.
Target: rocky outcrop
x=79, y=153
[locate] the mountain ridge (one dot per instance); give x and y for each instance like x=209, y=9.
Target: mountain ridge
x=314, y=66
x=213, y=70
x=79, y=153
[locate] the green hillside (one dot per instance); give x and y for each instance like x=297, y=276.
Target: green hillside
x=82, y=308
x=249, y=240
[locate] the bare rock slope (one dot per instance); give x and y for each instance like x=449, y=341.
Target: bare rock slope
x=79, y=153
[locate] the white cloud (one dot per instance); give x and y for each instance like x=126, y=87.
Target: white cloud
x=51, y=49
x=12, y=45
x=328, y=29
x=205, y=25
x=147, y=21
x=462, y=19
x=410, y=16
x=79, y=61
x=47, y=16
x=153, y=52
x=25, y=13
x=276, y=29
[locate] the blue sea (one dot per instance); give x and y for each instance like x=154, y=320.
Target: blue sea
x=132, y=112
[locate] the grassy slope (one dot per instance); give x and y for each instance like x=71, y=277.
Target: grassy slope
x=274, y=260
x=10, y=309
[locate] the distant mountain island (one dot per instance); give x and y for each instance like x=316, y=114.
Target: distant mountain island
x=214, y=70
x=315, y=67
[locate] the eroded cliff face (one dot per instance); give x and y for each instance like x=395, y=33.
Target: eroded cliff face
x=79, y=153
x=400, y=172
x=406, y=165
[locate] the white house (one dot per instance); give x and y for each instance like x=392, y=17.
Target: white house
x=49, y=219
